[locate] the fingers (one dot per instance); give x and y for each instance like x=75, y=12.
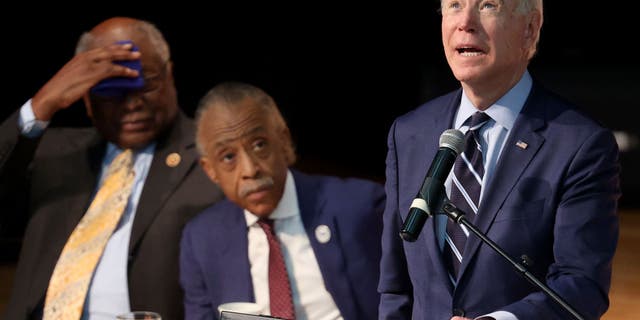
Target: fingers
x=104, y=59
x=81, y=73
x=119, y=52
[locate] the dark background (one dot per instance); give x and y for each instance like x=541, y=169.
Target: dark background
x=340, y=75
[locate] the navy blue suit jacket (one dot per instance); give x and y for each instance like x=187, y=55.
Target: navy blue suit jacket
x=214, y=250
x=554, y=200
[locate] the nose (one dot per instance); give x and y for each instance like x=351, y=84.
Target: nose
x=248, y=165
x=468, y=20
x=133, y=100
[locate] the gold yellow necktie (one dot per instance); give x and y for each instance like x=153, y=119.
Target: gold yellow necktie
x=71, y=277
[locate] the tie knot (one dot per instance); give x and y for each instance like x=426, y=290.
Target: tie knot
x=478, y=119
x=266, y=224
x=123, y=160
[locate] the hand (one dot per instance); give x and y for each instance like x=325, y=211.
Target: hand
x=81, y=73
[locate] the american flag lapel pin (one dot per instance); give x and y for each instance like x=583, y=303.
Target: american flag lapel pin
x=521, y=144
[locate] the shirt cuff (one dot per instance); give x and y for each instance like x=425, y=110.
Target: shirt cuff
x=29, y=126
x=498, y=315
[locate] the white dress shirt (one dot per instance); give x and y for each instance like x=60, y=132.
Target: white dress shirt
x=310, y=297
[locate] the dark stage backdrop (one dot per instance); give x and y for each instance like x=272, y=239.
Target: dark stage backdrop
x=341, y=75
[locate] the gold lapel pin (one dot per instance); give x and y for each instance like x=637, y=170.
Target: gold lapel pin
x=521, y=144
x=173, y=160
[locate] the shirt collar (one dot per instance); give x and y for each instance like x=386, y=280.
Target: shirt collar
x=287, y=207
x=505, y=110
x=113, y=151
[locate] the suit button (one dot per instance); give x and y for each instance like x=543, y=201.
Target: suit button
x=458, y=312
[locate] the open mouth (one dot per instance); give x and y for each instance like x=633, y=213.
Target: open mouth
x=469, y=51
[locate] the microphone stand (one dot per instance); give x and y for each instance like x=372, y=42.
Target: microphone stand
x=458, y=217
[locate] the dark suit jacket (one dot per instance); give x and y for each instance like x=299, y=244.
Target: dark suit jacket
x=555, y=201
x=214, y=261
x=61, y=170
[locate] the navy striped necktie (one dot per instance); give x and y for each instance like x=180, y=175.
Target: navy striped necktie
x=468, y=171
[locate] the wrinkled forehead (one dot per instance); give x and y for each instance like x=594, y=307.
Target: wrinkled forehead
x=242, y=116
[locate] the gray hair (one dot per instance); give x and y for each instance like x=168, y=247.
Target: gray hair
x=230, y=95
x=528, y=6
x=146, y=28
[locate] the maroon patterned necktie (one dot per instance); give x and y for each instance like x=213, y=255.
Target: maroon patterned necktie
x=281, y=301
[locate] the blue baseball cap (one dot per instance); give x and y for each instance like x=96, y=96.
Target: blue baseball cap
x=120, y=86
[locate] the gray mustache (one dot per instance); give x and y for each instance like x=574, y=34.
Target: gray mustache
x=256, y=185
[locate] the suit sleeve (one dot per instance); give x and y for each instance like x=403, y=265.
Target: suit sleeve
x=585, y=232
x=16, y=155
x=196, y=303
x=394, y=285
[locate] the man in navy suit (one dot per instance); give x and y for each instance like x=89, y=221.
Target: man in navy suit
x=329, y=228
x=549, y=190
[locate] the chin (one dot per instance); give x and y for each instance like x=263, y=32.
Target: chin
x=466, y=74
x=262, y=211
x=136, y=141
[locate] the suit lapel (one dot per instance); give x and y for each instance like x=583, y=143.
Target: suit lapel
x=442, y=120
x=163, y=179
x=513, y=161
x=232, y=242
x=84, y=159
x=87, y=165
x=329, y=255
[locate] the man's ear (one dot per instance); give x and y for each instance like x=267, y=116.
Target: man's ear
x=87, y=105
x=287, y=146
x=534, y=20
x=206, y=165
x=169, y=70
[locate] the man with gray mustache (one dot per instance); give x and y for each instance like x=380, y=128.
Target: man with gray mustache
x=328, y=228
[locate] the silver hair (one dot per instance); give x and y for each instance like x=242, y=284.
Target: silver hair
x=230, y=95
x=528, y=6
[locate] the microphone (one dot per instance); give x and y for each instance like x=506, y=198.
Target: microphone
x=432, y=192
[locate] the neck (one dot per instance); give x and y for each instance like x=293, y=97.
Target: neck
x=485, y=93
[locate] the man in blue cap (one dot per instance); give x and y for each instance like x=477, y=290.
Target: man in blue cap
x=123, y=72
